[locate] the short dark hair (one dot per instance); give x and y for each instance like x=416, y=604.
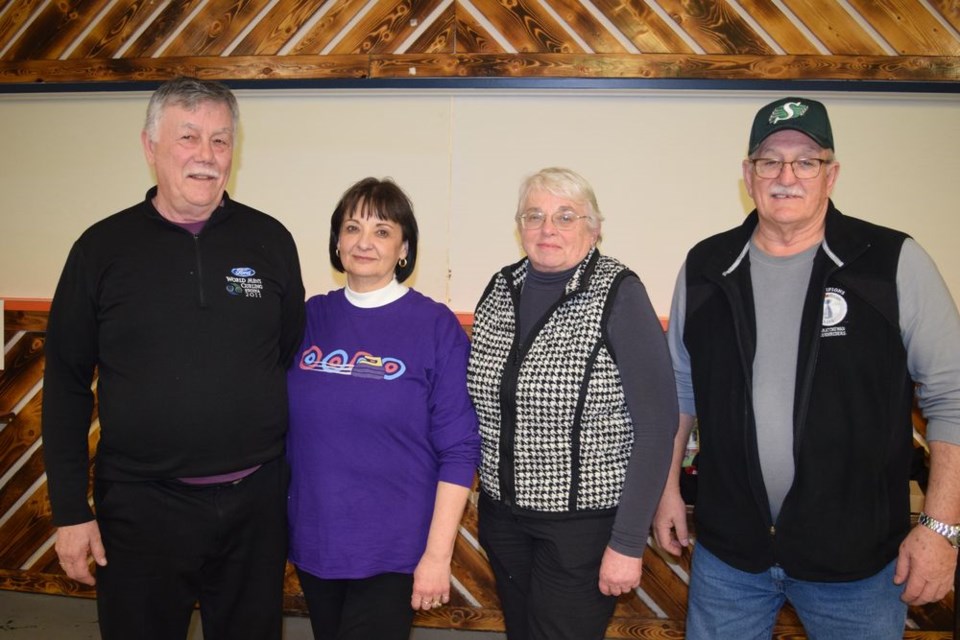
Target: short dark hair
x=384, y=200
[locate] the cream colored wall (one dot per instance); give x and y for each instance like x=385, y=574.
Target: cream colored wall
x=665, y=166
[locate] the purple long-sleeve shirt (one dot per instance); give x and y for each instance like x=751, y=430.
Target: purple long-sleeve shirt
x=379, y=413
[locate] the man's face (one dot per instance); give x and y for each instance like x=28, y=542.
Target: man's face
x=786, y=201
x=191, y=155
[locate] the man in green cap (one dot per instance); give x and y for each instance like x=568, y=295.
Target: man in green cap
x=798, y=340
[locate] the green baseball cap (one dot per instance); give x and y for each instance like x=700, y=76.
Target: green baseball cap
x=799, y=114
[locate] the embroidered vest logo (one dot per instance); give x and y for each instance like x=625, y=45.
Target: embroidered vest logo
x=834, y=312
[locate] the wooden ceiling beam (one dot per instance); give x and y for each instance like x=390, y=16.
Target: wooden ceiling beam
x=531, y=65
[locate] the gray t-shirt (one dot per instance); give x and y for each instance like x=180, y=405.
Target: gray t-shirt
x=779, y=288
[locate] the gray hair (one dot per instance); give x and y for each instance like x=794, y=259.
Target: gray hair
x=188, y=93
x=564, y=183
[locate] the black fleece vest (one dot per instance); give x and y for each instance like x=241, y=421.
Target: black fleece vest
x=848, y=508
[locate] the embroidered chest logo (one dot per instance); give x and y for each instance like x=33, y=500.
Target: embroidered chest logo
x=361, y=365
x=834, y=312
x=241, y=282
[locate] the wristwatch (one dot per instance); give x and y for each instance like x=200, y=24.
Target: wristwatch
x=949, y=531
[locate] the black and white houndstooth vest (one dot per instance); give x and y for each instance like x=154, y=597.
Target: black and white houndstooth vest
x=555, y=430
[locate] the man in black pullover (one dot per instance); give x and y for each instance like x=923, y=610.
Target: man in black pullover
x=189, y=307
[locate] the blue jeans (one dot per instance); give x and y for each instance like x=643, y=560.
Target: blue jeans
x=726, y=603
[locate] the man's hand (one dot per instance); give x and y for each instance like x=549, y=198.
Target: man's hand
x=75, y=545
x=670, y=523
x=926, y=563
x=619, y=573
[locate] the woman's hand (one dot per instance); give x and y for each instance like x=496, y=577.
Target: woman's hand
x=431, y=583
x=619, y=573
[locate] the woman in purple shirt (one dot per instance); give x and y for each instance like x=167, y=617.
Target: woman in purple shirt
x=383, y=440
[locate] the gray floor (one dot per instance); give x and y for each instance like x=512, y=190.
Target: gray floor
x=29, y=616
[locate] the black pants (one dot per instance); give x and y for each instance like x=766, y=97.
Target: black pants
x=170, y=545
x=374, y=608
x=547, y=572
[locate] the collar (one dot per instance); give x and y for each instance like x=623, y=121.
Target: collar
x=516, y=273
x=390, y=292
x=840, y=242
x=219, y=211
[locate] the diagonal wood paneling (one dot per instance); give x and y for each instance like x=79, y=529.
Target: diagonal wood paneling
x=148, y=40
x=55, y=25
x=13, y=17
x=272, y=33
x=908, y=27
x=440, y=36
x=336, y=15
x=160, y=28
x=775, y=22
x=473, y=36
x=587, y=26
x=386, y=26
x=209, y=33
x=716, y=26
x=643, y=26
x=527, y=26
x=835, y=28
x=950, y=10
x=114, y=30
x=28, y=561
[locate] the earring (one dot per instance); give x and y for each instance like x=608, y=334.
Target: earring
x=338, y=253
x=402, y=262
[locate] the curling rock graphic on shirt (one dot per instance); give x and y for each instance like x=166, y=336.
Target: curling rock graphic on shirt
x=361, y=365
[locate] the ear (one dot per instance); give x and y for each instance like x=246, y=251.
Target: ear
x=833, y=172
x=748, y=176
x=405, y=249
x=147, y=147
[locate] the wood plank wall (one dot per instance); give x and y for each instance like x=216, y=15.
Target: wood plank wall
x=28, y=563
x=84, y=41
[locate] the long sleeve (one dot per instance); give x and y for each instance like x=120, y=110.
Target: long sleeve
x=71, y=357
x=293, y=310
x=678, y=350
x=930, y=327
x=643, y=359
x=453, y=433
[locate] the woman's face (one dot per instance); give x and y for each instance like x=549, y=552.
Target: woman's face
x=369, y=250
x=549, y=248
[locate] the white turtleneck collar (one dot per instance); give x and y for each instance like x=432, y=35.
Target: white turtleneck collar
x=390, y=292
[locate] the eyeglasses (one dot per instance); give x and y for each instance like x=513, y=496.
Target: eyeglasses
x=563, y=219
x=803, y=168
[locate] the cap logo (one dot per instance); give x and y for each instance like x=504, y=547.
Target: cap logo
x=787, y=111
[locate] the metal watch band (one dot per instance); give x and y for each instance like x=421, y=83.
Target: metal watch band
x=949, y=531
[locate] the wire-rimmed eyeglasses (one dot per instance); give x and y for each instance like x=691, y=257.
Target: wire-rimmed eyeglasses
x=803, y=168
x=562, y=219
